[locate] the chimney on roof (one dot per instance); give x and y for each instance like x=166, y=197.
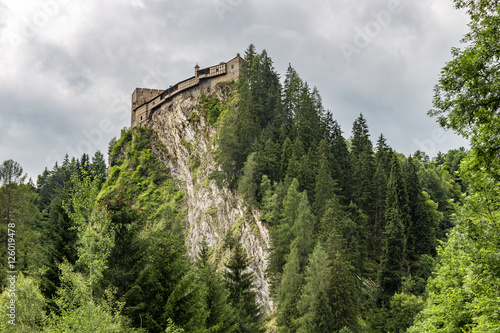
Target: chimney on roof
x=196, y=69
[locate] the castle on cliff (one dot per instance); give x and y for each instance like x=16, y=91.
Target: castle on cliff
x=146, y=101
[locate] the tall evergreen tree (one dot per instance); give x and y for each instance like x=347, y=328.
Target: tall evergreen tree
x=300, y=248
x=343, y=294
x=341, y=169
x=281, y=234
x=242, y=296
x=394, y=257
x=421, y=235
x=221, y=316
x=325, y=187
x=383, y=159
x=313, y=306
x=363, y=166
x=18, y=212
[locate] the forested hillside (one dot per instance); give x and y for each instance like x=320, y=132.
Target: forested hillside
x=362, y=238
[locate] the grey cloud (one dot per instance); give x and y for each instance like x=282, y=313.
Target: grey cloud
x=75, y=80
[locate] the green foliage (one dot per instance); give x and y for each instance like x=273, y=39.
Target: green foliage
x=211, y=107
x=194, y=161
x=363, y=164
x=463, y=295
x=29, y=306
x=343, y=294
x=340, y=216
x=221, y=315
x=466, y=96
x=313, y=307
x=83, y=305
x=194, y=117
x=18, y=215
x=281, y=234
x=403, y=309
x=300, y=248
x=247, y=186
x=146, y=208
x=81, y=311
x=242, y=297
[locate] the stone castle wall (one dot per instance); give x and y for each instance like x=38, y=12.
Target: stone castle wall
x=146, y=101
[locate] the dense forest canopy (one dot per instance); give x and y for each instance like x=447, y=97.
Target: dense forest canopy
x=362, y=238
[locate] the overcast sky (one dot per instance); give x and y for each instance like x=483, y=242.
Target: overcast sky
x=68, y=68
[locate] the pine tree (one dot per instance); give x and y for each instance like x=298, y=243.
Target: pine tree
x=383, y=159
x=342, y=293
x=18, y=213
x=242, y=297
x=286, y=155
x=300, y=248
x=363, y=166
x=342, y=169
x=308, y=114
x=394, y=257
x=325, y=186
x=247, y=184
x=313, y=303
x=281, y=235
x=291, y=98
x=221, y=317
x=421, y=237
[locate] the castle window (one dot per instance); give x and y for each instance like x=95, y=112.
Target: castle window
x=141, y=117
x=232, y=66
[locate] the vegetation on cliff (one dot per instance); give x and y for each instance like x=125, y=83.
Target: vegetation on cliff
x=362, y=238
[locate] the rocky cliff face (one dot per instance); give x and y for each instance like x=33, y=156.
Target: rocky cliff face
x=211, y=211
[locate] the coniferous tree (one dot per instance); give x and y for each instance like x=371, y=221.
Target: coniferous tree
x=341, y=170
x=313, y=306
x=325, y=187
x=363, y=166
x=242, y=296
x=308, y=118
x=300, y=248
x=271, y=204
x=18, y=212
x=221, y=316
x=342, y=293
x=420, y=236
x=291, y=98
x=286, y=155
x=281, y=235
x=394, y=257
x=383, y=159
x=247, y=185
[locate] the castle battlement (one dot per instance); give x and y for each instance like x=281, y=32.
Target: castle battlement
x=145, y=101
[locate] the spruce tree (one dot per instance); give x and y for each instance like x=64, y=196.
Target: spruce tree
x=242, y=296
x=313, y=306
x=281, y=235
x=325, y=186
x=394, y=257
x=18, y=213
x=383, y=159
x=421, y=237
x=342, y=293
x=363, y=166
x=300, y=248
x=221, y=316
x=342, y=168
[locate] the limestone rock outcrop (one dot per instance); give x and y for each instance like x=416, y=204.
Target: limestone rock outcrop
x=212, y=212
